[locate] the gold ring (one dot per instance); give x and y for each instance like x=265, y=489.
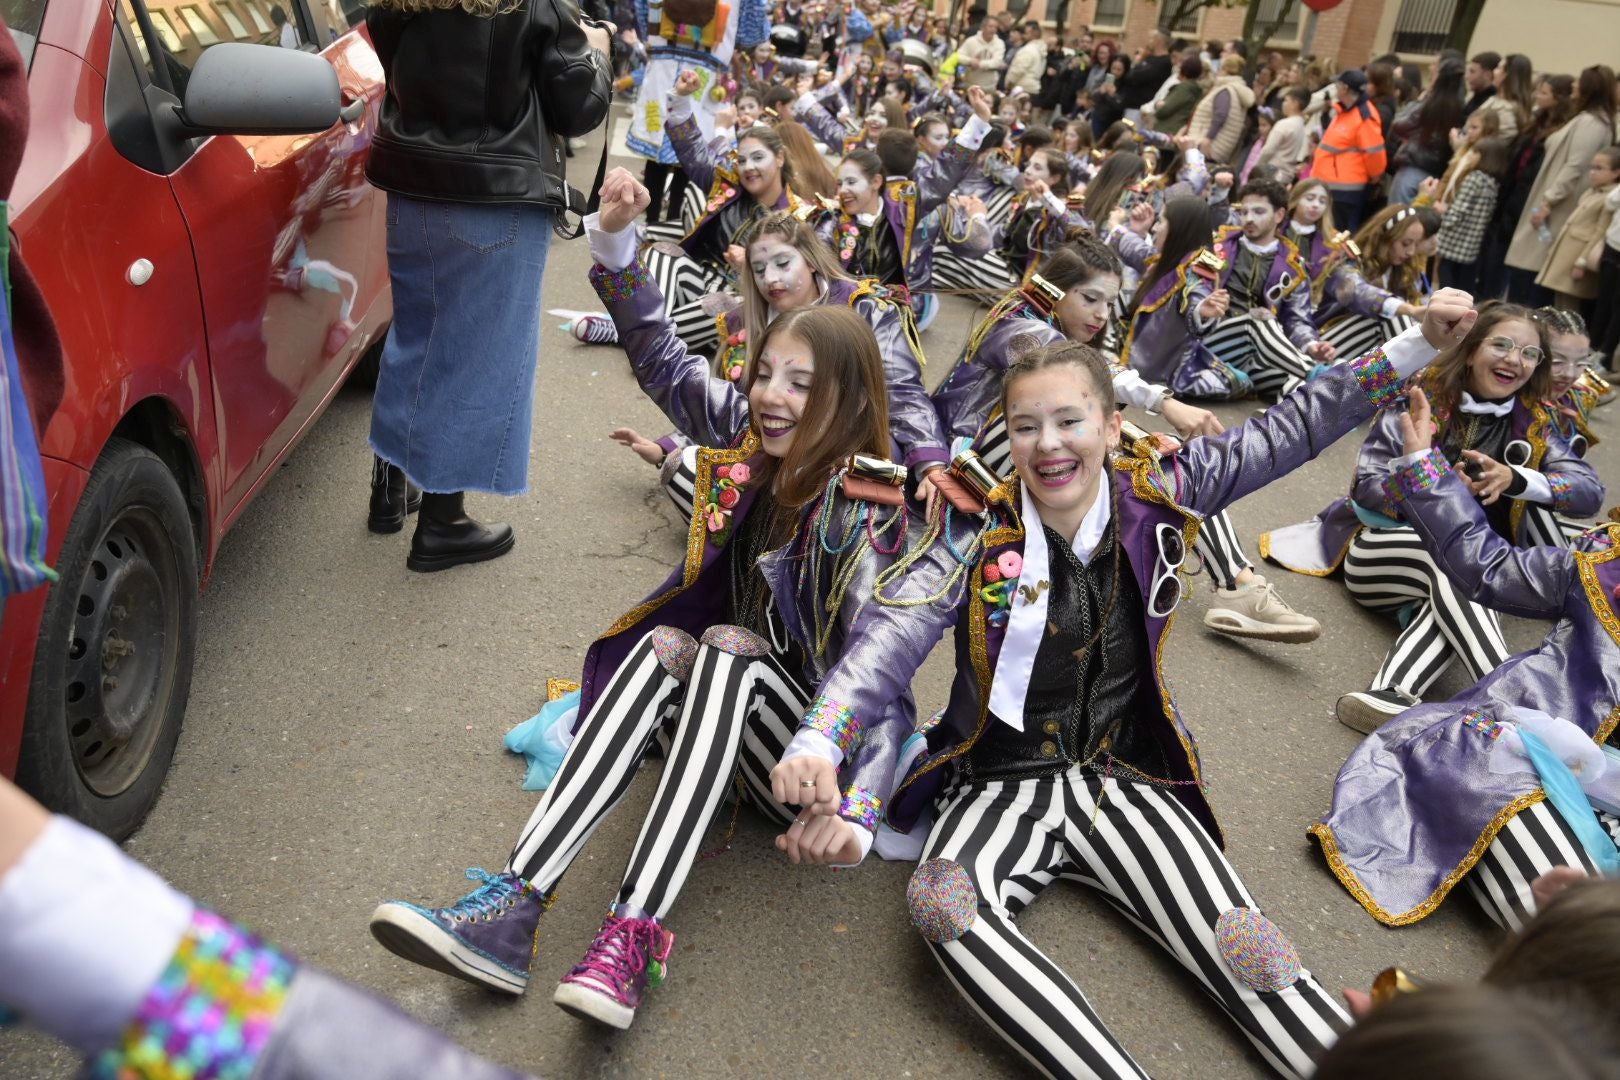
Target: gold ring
x=796, y=821
x=807, y=783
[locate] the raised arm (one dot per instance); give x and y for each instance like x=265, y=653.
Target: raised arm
x=698, y=158
x=935, y=185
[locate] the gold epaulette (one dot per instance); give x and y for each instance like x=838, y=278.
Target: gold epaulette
x=1342, y=241
x=1207, y=264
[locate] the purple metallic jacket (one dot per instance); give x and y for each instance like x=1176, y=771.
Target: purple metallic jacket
x=972, y=390
x=858, y=697
x=1417, y=803
x=1209, y=475
x=1317, y=547
x=1346, y=291
x=912, y=420
x=1287, y=287
x=713, y=167
x=1165, y=338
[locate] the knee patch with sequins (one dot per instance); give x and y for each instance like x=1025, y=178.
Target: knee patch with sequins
x=1256, y=950
x=736, y=641
x=675, y=650
x=942, y=900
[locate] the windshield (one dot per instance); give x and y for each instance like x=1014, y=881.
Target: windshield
x=23, y=18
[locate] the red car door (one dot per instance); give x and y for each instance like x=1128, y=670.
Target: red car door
x=283, y=228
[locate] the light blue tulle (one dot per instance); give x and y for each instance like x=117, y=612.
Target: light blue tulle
x=543, y=740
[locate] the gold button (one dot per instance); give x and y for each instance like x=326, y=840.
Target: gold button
x=1048, y=749
x=1050, y=727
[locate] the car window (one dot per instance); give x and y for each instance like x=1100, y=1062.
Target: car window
x=24, y=17
x=185, y=28
x=333, y=18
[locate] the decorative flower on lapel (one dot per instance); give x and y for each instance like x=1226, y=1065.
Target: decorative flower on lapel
x=720, y=196
x=734, y=355
x=1001, y=578
x=725, y=491
x=850, y=235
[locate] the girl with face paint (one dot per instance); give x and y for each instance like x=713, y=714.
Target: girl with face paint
x=745, y=185
x=1493, y=426
x=764, y=657
x=1062, y=754
x=1367, y=300
x=1042, y=217
x=1576, y=390
x=1310, y=228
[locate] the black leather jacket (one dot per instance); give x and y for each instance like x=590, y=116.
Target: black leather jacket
x=477, y=106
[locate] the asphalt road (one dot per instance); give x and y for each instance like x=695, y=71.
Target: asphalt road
x=343, y=746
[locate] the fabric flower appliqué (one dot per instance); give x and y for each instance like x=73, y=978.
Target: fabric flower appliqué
x=850, y=235
x=1001, y=583
x=734, y=355
x=720, y=196
x=725, y=491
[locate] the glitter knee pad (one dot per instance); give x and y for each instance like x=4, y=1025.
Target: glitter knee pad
x=736, y=641
x=675, y=650
x=1256, y=950
x=942, y=900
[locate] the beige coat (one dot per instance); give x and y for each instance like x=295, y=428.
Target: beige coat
x=992, y=52
x=1223, y=143
x=1559, y=184
x=1588, y=222
x=1027, y=66
x=1507, y=117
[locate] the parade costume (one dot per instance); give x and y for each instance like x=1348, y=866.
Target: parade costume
x=682, y=35
x=1437, y=795
x=1356, y=313
x=1059, y=755
x=1165, y=338
x=969, y=406
x=1571, y=417
x=1387, y=566
x=1269, y=320
x=749, y=635
x=1035, y=229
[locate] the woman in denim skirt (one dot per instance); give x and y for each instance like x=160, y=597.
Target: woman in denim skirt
x=473, y=166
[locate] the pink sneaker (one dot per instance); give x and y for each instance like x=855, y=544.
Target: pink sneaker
x=627, y=957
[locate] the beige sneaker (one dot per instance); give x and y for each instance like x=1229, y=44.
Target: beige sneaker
x=1256, y=611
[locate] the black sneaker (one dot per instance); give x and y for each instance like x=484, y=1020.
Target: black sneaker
x=1367, y=710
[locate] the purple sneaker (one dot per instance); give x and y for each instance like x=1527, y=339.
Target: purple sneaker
x=594, y=330
x=487, y=937
x=628, y=956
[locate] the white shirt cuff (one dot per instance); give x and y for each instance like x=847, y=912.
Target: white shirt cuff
x=1390, y=307
x=1406, y=459
x=1536, y=488
x=972, y=133
x=1409, y=352
x=611, y=250
x=680, y=107
x=1055, y=204
x=863, y=837
x=728, y=134
x=808, y=742
x=1193, y=156
x=1131, y=389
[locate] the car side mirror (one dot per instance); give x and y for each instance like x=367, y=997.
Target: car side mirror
x=240, y=89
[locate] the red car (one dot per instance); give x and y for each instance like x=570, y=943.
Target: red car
x=193, y=204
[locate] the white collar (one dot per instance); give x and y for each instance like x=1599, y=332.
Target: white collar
x=867, y=219
x=1473, y=407
x=1301, y=228
x=1026, y=620
x=1259, y=249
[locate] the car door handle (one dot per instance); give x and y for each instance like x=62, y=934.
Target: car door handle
x=353, y=111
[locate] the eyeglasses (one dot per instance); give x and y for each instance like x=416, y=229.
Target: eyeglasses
x=1503, y=347
x=1576, y=363
x=1165, y=593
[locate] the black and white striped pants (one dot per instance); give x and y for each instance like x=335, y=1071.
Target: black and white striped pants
x=1149, y=859
x=1541, y=527
x=1387, y=569
x=990, y=273
x=1259, y=347
x=1218, y=543
x=1534, y=840
x=734, y=710
x=1357, y=335
x=685, y=282
x=998, y=206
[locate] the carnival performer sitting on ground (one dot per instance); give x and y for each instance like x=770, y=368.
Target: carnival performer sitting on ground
x=1071, y=298
x=1043, y=217
x=770, y=619
x=1510, y=778
x=1061, y=753
x=1374, y=287
x=745, y=186
x=1577, y=389
x=1491, y=421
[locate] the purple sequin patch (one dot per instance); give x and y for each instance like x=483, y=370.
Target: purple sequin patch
x=862, y=807
x=836, y=722
x=1256, y=950
x=1377, y=378
x=942, y=900
x=1560, y=486
x=614, y=285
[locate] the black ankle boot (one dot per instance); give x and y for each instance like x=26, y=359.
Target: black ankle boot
x=392, y=498
x=445, y=536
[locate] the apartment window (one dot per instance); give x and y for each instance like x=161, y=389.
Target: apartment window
x=1110, y=14
x=193, y=18
x=1422, y=26
x=233, y=21
x=1287, y=32
x=260, y=23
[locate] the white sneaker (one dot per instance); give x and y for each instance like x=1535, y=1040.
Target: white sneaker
x=1367, y=710
x=1256, y=611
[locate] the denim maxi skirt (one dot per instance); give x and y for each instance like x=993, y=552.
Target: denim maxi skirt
x=455, y=392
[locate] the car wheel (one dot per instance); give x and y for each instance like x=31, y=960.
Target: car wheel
x=112, y=668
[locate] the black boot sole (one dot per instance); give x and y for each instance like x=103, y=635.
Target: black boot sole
x=428, y=564
x=386, y=525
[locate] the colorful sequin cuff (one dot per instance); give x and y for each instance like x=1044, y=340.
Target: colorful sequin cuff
x=862, y=807
x=1482, y=723
x=836, y=722
x=1414, y=477
x=211, y=1012
x=614, y=285
x=1561, y=487
x=1377, y=378
x=953, y=153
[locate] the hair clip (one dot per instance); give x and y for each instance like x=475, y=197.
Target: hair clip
x=1043, y=293
x=1404, y=213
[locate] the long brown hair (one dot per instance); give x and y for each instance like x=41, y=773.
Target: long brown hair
x=800, y=236
x=1594, y=93
x=1548, y=120
x=847, y=410
x=1107, y=187
x=811, y=177
x=1571, y=948
x=1447, y=377
x=1375, y=239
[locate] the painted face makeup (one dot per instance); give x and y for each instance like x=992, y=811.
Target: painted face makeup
x=1402, y=250
x=857, y=193
x=1083, y=312
x=1569, y=355
x=779, y=391
x=781, y=274
x=758, y=168
x=1037, y=170
x=1060, y=433
x=748, y=112
x=1258, y=219
x=935, y=140
x=1504, y=361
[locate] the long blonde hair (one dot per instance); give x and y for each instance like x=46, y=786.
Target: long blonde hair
x=485, y=9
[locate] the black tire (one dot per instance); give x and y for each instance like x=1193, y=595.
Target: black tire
x=112, y=667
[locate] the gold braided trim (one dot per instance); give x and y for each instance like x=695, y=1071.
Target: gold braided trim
x=1540, y=423
x=1295, y=263
x=697, y=533
x=1338, y=561
x=1180, y=273
x=556, y=688
x=896, y=191
x=1347, y=878
x=1587, y=563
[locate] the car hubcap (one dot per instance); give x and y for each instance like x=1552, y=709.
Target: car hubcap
x=121, y=661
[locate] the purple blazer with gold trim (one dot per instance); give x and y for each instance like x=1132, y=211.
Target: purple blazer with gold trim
x=1418, y=802
x=1165, y=339
x=1287, y=287
x=714, y=170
